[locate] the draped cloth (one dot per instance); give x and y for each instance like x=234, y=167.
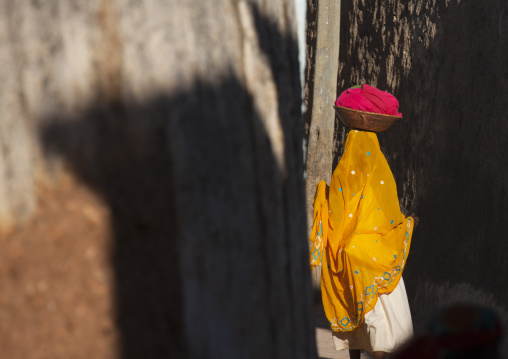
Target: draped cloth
x=359, y=235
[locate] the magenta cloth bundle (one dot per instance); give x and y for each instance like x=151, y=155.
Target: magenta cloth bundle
x=370, y=99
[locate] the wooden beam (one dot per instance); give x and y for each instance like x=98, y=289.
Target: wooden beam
x=320, y=144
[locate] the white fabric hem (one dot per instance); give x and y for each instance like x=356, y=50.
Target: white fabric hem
x=386, y=327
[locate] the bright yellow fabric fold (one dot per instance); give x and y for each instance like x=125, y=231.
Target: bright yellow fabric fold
x=359, y=235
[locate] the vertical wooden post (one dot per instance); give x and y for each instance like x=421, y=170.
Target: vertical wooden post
x=320, y=145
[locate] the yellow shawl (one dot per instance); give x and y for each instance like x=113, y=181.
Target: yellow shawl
x=359, y=235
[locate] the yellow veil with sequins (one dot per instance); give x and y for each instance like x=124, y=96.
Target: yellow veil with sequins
x=359, y=235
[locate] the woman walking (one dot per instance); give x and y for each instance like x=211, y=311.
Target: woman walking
x=362, y=240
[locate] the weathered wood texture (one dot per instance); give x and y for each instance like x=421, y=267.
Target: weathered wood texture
x=446, y=62
x=185, y=116
x=322, y=95
x=320, y=144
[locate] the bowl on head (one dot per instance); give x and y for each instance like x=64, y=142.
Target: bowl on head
x=366, y=121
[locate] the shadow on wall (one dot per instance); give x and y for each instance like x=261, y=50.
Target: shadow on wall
x=446, y=63
x=195, y=196
x=126, y=160
x=311, y=43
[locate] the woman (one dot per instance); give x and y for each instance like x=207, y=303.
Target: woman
x=361, y=239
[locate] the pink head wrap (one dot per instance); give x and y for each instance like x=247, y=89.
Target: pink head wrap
x=370, y=99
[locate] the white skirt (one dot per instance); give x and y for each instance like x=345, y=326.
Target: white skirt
x=386, y=327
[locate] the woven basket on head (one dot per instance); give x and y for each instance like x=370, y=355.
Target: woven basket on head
x=367, y=121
